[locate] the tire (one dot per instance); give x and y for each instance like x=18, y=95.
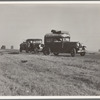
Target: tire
x=20, y=50
x=82, y=53
x=56, y=53
x=46, y=51
x=73, y=52
x=27, y=51
x=36, y=50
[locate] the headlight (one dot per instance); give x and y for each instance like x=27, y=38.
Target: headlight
x=78, y=44
x=40, y=45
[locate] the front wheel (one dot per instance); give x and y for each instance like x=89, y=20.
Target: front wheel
x=46, y=51
x=73, y=52
x=36, y=50
x=82, y=53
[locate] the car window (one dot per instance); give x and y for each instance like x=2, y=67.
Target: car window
x=65, y=39
x=49, y=39
x=37, y=41
x=57, y=39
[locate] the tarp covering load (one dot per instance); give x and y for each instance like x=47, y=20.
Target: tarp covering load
x=55, y=33
x=59, y=32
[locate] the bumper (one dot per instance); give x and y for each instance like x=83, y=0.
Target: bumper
x=40, y=49
x=80, y=51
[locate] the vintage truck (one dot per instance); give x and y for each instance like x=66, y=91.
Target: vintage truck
x=59, y=42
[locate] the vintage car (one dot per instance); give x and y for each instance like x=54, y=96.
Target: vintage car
x=59, y=42
x=32, y=45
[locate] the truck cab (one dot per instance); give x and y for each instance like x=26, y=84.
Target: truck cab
x=59, y=42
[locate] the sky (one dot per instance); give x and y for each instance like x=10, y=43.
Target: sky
x=19, y=22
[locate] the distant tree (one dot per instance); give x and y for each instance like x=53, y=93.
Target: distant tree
x=3, y=47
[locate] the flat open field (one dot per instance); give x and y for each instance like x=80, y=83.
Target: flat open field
x=38, y=75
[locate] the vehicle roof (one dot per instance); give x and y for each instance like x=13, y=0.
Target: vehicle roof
x=58, y=35
x=34, y=40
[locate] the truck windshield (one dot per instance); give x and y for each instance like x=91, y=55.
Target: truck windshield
x=57, y=39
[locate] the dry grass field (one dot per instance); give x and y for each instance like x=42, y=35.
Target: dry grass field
x=38, y=75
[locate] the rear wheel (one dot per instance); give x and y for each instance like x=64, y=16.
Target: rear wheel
x=46, y=51
x=27, y=50
x=56, y=53
x=82, y=53
x=20, y=49
x=73, y=52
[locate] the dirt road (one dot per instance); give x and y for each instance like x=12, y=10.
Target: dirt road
x=39, y=75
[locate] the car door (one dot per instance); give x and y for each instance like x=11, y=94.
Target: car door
x=66, y=47
x=57, y=45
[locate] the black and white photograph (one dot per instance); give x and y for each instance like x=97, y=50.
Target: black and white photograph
x=50, y=48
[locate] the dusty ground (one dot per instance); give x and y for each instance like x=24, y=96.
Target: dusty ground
x=39, y=75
